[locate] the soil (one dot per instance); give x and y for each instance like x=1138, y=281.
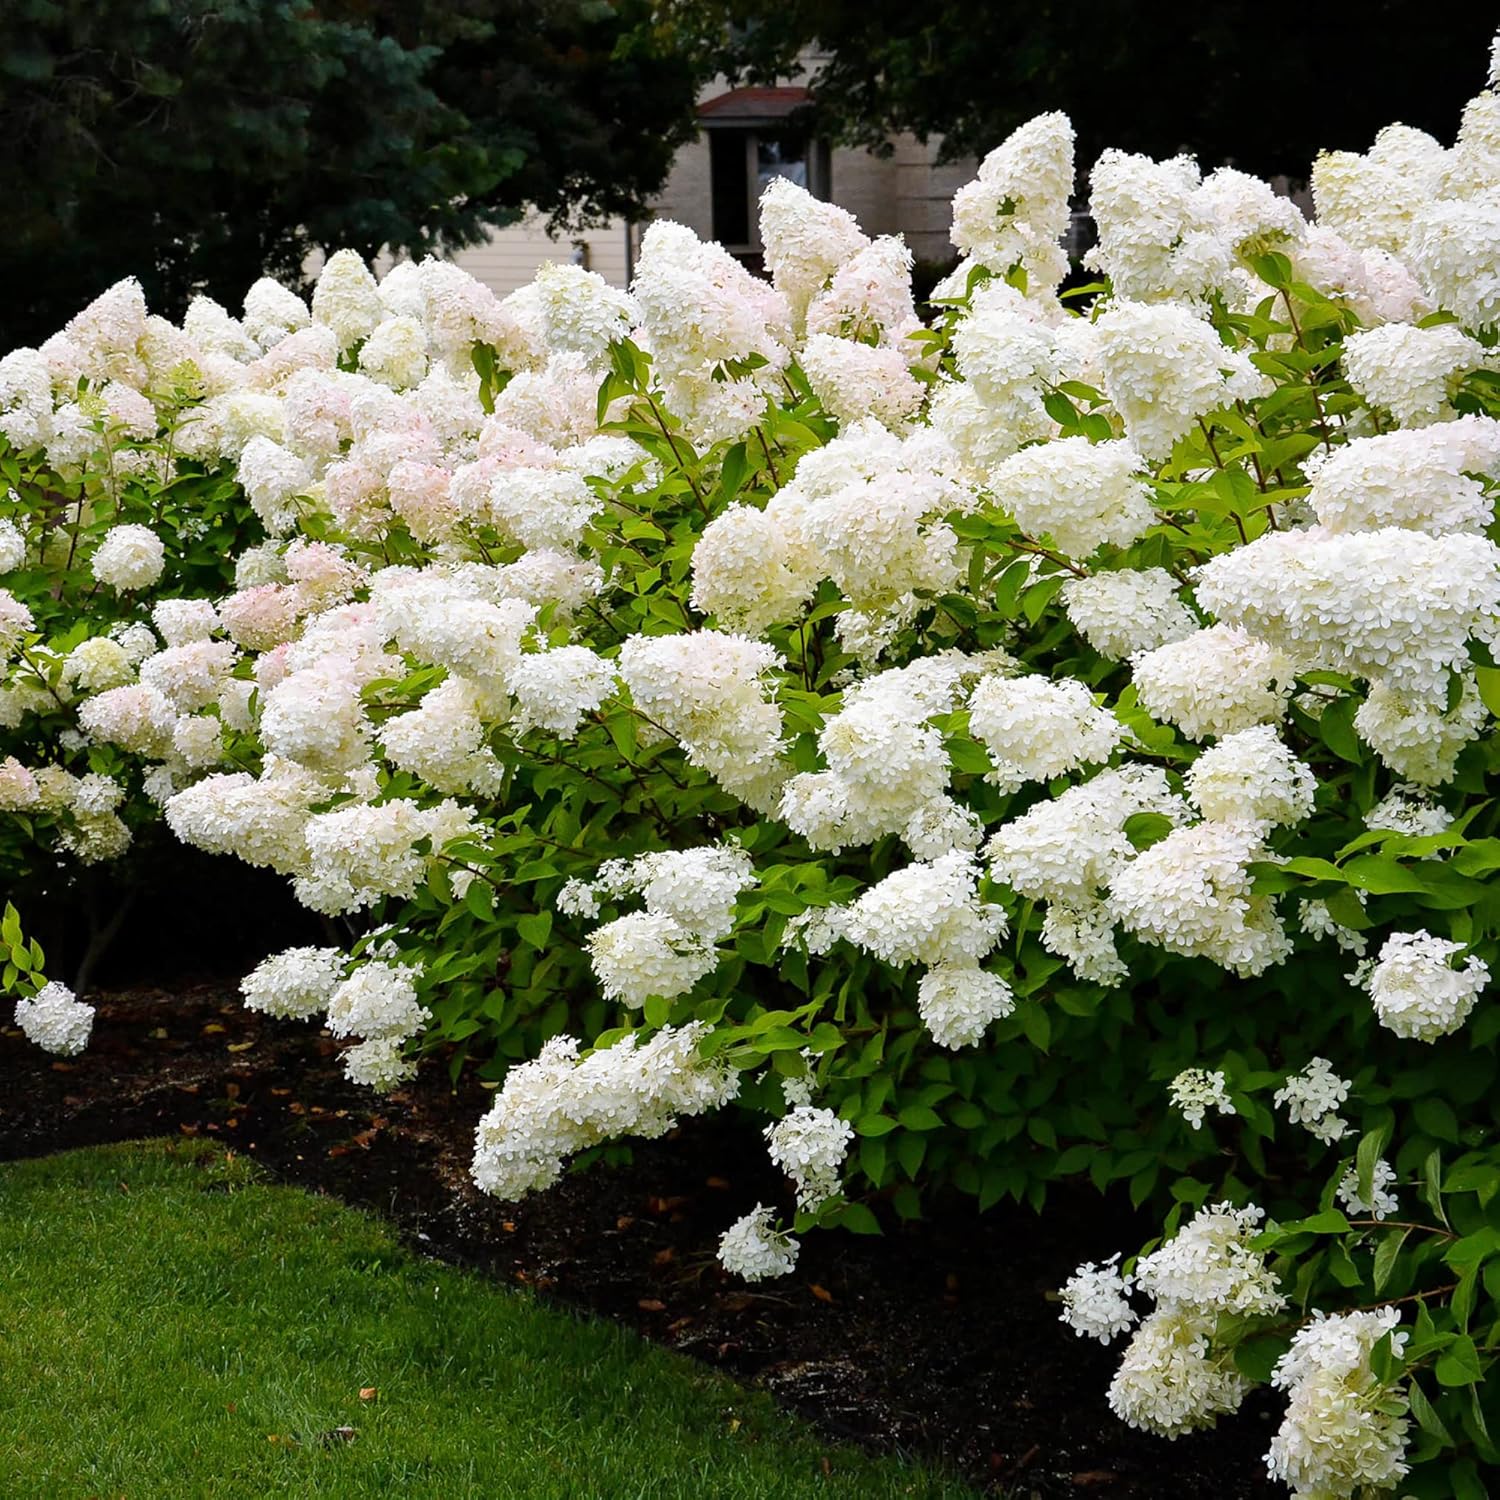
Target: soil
x=938, y=1340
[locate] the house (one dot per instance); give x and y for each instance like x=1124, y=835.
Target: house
x=746, y=137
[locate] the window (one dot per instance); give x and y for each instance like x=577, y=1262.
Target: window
x=743, y=163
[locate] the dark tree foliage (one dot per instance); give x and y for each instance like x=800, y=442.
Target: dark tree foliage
x=1263, y=87
x=198, y=144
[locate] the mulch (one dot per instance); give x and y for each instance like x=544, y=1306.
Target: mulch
x=938, y=1340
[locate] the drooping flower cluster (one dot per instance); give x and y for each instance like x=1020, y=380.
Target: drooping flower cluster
x=1251, y=776
x=557, y=1105
x=1340, y=1436
x=1035, y=729
x=1394, y=605
x=809, y=1144
x=1192, y=894
x=1174, y=1377
x=1071, y=850
x=755, y=1251
x=55, y=1020
x=295, y=983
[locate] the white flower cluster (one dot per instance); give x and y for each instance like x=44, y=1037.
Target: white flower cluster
x=1411, y=372
x=359, y=853
x=377, y=1003
x=809, y=1144
x=666, y=949
x=928, y=912
x=1165, y=369
x=1159, y=235
x=1344, y=1432
x=1191, y=893
x=1195, y=1091
x=958, y=1001
x=1127, y=611
x=294, y=984
x=1313, y=1097
x=55, y=1020
x=1214, y=681
x=1036, y=730
x=1416, y=991
x=1015, y=213
x=1422, y=478
x=752, y=1249
x=557, y=1105
x=707, y=690
x=1095, y=1301
x=1395, y=605
x=1210, y=1266
x=129, y=557
x=1253, y=777
x=701, y=311
x=1083, y=495
x=1406, y=810
x=1382, y=1201
x=887, y=770
x=1173, y=1377
x=1070, y=851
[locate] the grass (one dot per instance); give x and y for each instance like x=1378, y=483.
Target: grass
x=173, y=1325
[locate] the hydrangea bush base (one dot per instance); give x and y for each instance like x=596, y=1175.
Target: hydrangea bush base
x=1050, y=739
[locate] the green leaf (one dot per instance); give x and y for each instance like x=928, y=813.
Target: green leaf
x=920, y=1117
x=874, y=1125
x=857, y=1219
x=1458, y=1364
x=1383, y=1362
x=1432, y=1184
x=1436, y=1118
x=911, y=1150
x=1145, y=829
x=1427, y=1418
x=1273, y=269
x=1036, y=1025
x=1255, y=1358
x=732, y=471
x=1467, y=1485
x=1387, y=1252
x=1474, y=1249
x=1336, y=730
x=1489, y=688
x=535, y=928
x=1036, y=599
x=1330, y=1221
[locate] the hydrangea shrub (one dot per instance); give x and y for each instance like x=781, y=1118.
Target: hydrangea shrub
x=1050, y=739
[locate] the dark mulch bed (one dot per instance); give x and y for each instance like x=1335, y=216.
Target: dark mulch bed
x=939, y=1339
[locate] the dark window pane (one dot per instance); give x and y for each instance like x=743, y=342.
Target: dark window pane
x=730, y=187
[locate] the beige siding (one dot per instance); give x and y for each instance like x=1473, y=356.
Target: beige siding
x=687, y=197
x=924, y=196
x=511, y=256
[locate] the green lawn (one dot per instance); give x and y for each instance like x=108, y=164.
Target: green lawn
x=172, y=1325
